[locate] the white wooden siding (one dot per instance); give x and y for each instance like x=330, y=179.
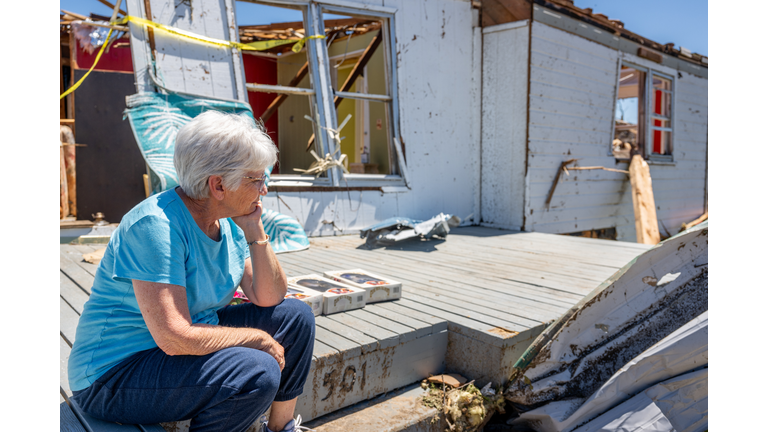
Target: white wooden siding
x=505, y=86
x=572, y=97
x=573, y=82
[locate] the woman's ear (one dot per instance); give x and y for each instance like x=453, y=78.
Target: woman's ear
x=216, y=187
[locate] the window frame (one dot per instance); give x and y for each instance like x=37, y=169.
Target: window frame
x=646, y=146
x=323, y=93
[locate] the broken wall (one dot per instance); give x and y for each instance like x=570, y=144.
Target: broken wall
x=571, y=109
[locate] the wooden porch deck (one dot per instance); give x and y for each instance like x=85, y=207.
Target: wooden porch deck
x=471, y=304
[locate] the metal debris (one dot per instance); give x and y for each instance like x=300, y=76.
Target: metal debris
x=397, y=229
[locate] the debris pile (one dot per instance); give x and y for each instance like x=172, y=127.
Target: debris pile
x=398, y=229
x=465, y=407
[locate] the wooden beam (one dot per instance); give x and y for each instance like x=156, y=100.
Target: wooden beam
x=359, y=66
x=111, y=6
x=646, y=224
x=272, y=108
x=68, y=141
x=356, y=72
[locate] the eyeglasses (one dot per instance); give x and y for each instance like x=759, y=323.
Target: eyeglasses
x=258, y=181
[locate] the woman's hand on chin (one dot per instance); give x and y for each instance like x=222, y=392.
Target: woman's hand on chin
x=251, y=224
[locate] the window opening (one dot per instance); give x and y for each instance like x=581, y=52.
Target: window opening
x=661, y=116
x=360, y=77
x=279, y=85
x=630, y=113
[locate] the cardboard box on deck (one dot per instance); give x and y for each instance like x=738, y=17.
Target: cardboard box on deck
x=313, y=298
x=378, y=288
x=350, y=298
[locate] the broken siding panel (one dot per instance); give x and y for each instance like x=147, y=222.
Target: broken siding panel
x=505, y=85
x=205, y=70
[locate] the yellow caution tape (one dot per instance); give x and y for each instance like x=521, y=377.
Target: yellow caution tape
x=253, y=46
x=98, y=56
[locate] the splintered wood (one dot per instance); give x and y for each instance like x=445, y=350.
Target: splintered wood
x=646, y=224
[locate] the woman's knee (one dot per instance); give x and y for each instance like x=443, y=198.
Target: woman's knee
x=301, y=315
x=249, y=370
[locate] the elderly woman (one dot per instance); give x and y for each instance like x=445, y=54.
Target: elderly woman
x=156, y=341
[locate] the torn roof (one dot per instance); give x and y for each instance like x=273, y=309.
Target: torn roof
x=335, y=29
x=566, y=7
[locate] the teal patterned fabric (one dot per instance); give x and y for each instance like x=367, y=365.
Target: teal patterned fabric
x=156, y=119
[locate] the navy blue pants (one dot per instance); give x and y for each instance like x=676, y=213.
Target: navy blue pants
x=223, y=391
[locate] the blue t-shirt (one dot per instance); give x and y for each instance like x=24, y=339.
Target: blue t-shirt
x=157, y=241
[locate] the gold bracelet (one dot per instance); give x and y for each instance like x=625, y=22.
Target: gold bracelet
x=260, y=242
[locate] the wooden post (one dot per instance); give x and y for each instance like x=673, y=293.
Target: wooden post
x=63, y=196
x=67, y=137
x=646, y=224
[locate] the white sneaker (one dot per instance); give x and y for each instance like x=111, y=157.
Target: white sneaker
x=292, y=426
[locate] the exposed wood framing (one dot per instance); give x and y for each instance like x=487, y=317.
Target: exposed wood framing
x=111, y=6
x=272, y=108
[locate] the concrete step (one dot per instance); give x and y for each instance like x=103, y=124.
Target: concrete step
x=397, y=411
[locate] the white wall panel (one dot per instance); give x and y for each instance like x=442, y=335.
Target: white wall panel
x=505, y=90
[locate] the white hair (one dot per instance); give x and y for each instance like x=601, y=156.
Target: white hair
x=216, y=143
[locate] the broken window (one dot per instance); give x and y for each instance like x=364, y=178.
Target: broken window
x=359, y=77
x=353, y=63
x=640, y=92
x=661, y=116
x=627, y=134
x=280, y=90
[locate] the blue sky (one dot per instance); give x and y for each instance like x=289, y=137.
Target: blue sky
x=683, y=22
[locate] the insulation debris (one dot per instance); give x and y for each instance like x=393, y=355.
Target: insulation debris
x=466, y=408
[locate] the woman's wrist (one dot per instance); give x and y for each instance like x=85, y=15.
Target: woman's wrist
x=260, y=242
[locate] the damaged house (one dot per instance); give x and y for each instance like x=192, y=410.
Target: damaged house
x=468, y=108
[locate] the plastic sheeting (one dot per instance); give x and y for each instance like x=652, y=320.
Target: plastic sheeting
x=156, y=119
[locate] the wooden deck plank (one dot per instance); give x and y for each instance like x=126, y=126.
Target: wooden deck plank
x=67, y=321
x=438, y=324
x=320, y=349
x=420, y=328
x=385, y=338
x=346, y=347
x=77, y=252
x=561, y=248
x=81, y=277
x=453, y=319
x=366, y=342
x=67, y=420
x=459, y=308
x=403, y=332
x=72, y=294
